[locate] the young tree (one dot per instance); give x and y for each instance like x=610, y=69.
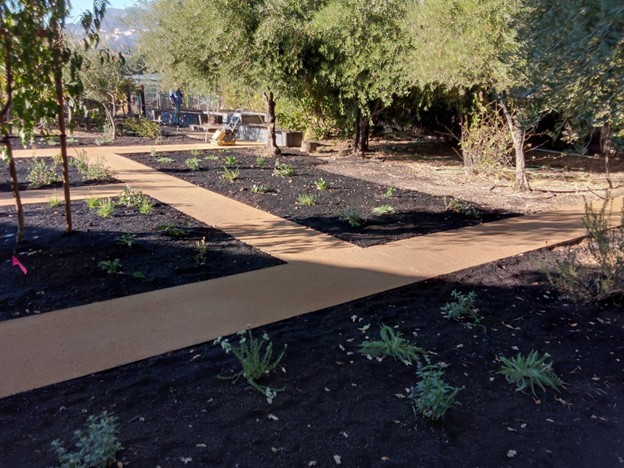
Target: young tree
x=468, y=44
x=364, y=44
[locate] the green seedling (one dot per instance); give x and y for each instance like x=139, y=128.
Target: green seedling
x=383, y=210
x=285, y=170
x=432, y=396
x=230, y=161
x=201, y=251
x=352, y=217
x=463, y=307
x=92, y=202
x=126, y=239
x=105, y=208
x=389, y=193
x=260, y=188
x=321, y=184
x=260, y=162
x=230, y=174
x=172, y=231
x=111, y=267
x=146, y=206
x=165, y=160
x=55, y=202
x=194, y=164
x=458, y=205
x=527, y=372
x=392, y=344
x=306, y=199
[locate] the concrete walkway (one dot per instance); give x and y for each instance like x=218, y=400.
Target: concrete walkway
x=321, y=271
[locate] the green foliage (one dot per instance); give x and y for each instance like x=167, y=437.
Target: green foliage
x=392, y=344
x=91, y=171
x=230, y=174
x=230, y=161
x=194, y=164
x=195, y=153
x=165, y=160
x=96, y=445
x=284, y=170
x=461, y=206
x=55, y=202
x=601, y=275
x=131, y=197
x=172, y=231
x=92, y=202
x=146, y=206
x=111, y=267
x=432, y=396
x=321, y=184
x=306, y=199
x=256, y=359
x=260, y=188
x=105, y=208
x=40, y=174
x=126, y=239
x=463, y=307
x=142, y=127
x=201, y=251
x=352, y=216
x=527, y=372
x=383, y=210
x=389, y=193
x=260, y=162
x=211, y=157
x=153, y=153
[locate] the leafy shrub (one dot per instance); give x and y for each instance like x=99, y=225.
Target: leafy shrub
x=40, y=174
x=306, y=199
x=131, y=197
x=92, y=202
x=194, y=164
x=110, y=266
x=529, y=371
x=146, y=206
x=463, y=307
x=142, y=127
x=601, y=275
x=383, y=210
x=321, y=184
x=432, y=396
x=105, y=208
x=458, y=205
x=96, y=445
x=201, y=251
x=230, y=174
x=352, y=217
x=285, y=170
x=126, y=239
x=255, y=361
x=95, y=171
x=260, y=188
x=392, y=344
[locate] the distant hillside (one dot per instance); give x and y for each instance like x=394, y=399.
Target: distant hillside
x=118, y=30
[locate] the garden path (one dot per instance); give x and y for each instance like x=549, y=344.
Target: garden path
x=321, y=271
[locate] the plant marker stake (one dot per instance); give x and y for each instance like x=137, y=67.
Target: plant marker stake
x=18, y=264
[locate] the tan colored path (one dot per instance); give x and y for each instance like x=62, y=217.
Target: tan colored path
x=321, y=272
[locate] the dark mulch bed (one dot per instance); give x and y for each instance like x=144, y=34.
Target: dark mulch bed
x=52, y=141
x=416, y=213
x=174, y=411
x=23, y=167
x=63, y=269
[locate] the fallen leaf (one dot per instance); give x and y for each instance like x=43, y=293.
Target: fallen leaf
x=385, y=459
x=186, y=460
x=511, y=429
x=338, y=459
x=273, y=417
x=312, y=463
x=511, y=453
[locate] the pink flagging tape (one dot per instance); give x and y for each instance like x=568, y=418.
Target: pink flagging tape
x=18, y=264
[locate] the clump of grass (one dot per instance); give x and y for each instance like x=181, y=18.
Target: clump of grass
x=230, y=161
x=96, y=445
x=528, y=371
x=126, y=239
x=201, y=251
x=169, y=230
x=92, y=202
x=194, y=164
x=260, y=188
x=432, y=396
x=105, y=208
x=383, y=210
x=260, y=162
x=55, y=202
x=352, y=217
x=256, y=359
x=165, y=160
x=389, y=192
x=211, y=157
x=111, y=267
x=463, y=307
x=153, y=152
x=195, y=153
x=230, y=174
x=321, y=184
x=306, y=199
x=601, y=275
x=461, y=206
x=392, y=344
x=284, y=170
x=146, y=206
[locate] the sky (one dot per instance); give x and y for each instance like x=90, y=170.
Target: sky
x=78, y=6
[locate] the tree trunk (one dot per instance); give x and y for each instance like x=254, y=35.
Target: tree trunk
x=518, y=135
x=60, y=102
x=143, y=101
x=607, y=149
x=4, y=123
x=361, y=134
x=272, y=148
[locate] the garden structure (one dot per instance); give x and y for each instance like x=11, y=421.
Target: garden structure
x=355, y=289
